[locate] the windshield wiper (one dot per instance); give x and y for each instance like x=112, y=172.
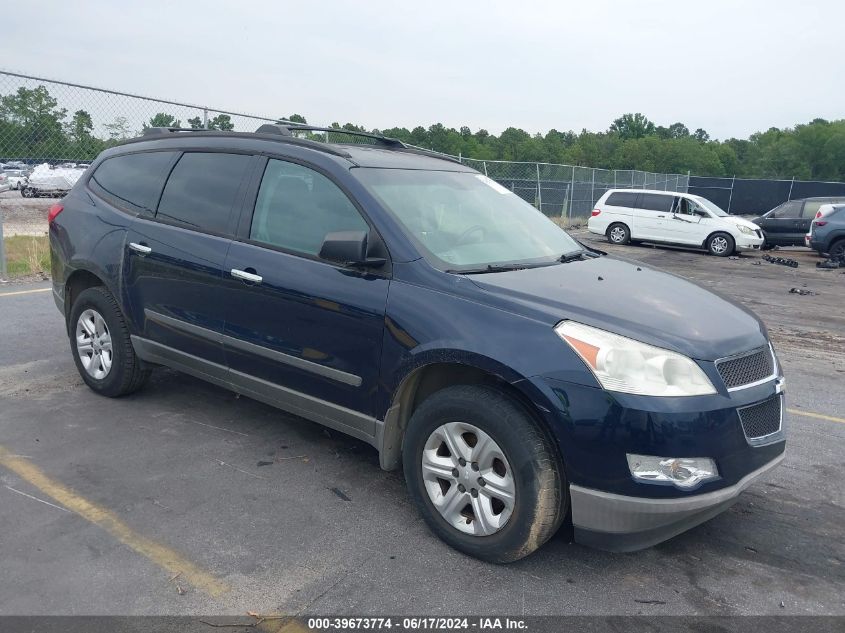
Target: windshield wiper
x=490, y=268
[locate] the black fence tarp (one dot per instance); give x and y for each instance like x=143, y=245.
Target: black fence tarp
x=756, y=196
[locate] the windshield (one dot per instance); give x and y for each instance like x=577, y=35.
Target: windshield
x=711, y=207
x=464, y=220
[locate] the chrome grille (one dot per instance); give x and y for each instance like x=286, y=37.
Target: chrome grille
x=762, y=419
x=743, y=370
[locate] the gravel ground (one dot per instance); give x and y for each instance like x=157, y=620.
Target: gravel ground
x=23, y=216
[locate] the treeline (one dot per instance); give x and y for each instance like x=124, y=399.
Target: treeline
x=33, y=126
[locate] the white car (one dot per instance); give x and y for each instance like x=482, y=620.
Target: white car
x=630, y=215
x=4, y=182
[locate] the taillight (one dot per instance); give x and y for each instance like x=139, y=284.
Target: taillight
x=818, y=214
x=820, y=222
x=55, y=210
x=595, y=212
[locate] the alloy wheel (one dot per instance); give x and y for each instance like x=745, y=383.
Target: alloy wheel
x=719, y=245
x=94, y=344
x=468, y=478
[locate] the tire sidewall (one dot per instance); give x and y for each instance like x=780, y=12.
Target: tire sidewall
x=96, y=299
x=837, y=249
x=525, y=470
x=731, y=245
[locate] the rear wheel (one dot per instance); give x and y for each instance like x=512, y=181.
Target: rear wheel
x=837, y=249
x=618, y=233
x=721, y=244
x=482, y=474
x=101, y=347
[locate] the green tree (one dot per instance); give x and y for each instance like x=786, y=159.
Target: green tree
x=119, y=129
x=632, y=126
x=163, y=120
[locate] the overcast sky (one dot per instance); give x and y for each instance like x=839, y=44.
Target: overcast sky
x=732, y=68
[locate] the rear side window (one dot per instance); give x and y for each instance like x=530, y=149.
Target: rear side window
x=622, y=199
x=202, y=189
x=297, y=207
x=655, y=202
x=132, y=181
x=790, y=209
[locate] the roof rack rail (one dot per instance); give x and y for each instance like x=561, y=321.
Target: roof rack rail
x=287, y=128
x=155, y=131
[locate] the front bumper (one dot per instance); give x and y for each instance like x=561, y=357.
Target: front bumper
x=748, y=242
x=621, y=523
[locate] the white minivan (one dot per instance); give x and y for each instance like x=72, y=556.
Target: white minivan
x=669, y=217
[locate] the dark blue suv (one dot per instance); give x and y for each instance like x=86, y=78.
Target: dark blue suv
x=520, y=378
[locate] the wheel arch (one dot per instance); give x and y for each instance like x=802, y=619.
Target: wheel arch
x=427, y=379
x=77, y=282
x=716, y=232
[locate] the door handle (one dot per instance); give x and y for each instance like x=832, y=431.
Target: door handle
x=141, y=249
x=246, y=276
x=661, y=216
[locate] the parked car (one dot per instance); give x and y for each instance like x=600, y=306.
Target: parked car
x=17, y=178
x=788, y=223
x=4, y=182
x=827, y=232
x=633, y=215
x=519, y=378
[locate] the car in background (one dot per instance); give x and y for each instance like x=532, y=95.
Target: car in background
x=17, y=176
x=788, y=223
x=668, y=217
x=4, y=182
x=827, y=231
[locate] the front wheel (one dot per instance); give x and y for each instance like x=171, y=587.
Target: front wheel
x=721, y=245
x=482, y=474
x=102, y=350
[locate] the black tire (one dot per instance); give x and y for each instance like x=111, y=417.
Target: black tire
x=541, y=497
x=837, y=249
x=721, y=245
x=618, y=233
x=126, y=373
x=27, y=192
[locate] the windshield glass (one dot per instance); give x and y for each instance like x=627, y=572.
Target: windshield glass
x=711, y=207
x=465, y=220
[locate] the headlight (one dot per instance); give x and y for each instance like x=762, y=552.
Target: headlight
x=744, y=229
x=626, y=365
x=683, y=472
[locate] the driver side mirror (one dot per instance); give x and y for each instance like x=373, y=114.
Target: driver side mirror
x=348, y=248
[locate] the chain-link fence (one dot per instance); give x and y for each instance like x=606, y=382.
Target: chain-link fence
x=568, y=191
x=50, y=130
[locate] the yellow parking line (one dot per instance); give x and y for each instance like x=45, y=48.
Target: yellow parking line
x=24, y=292
x=161, y=555
x=818, y=416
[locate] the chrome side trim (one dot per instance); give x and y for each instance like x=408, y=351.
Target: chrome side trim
x=259, y=350
x=354, y=423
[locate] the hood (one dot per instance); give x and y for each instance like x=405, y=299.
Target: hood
x=741, y=222
x=631, y=300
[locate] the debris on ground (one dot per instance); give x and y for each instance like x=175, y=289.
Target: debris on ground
x=733, y=257
x=801, y=291
x=783, y=261
x=836, y=261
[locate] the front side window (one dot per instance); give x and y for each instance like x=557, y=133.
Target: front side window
x=297, y=207
x=463, y=220
x=133, y=181
x=202, y=189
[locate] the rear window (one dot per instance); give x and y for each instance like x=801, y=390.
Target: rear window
x=132, y=181
x=655, y=202
x=202, y=189
x=622, y=199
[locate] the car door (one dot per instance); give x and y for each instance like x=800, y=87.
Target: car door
x=688, y=224
x=782, y=225
x=652, y=217
x=302, y=332
x=174, y=260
